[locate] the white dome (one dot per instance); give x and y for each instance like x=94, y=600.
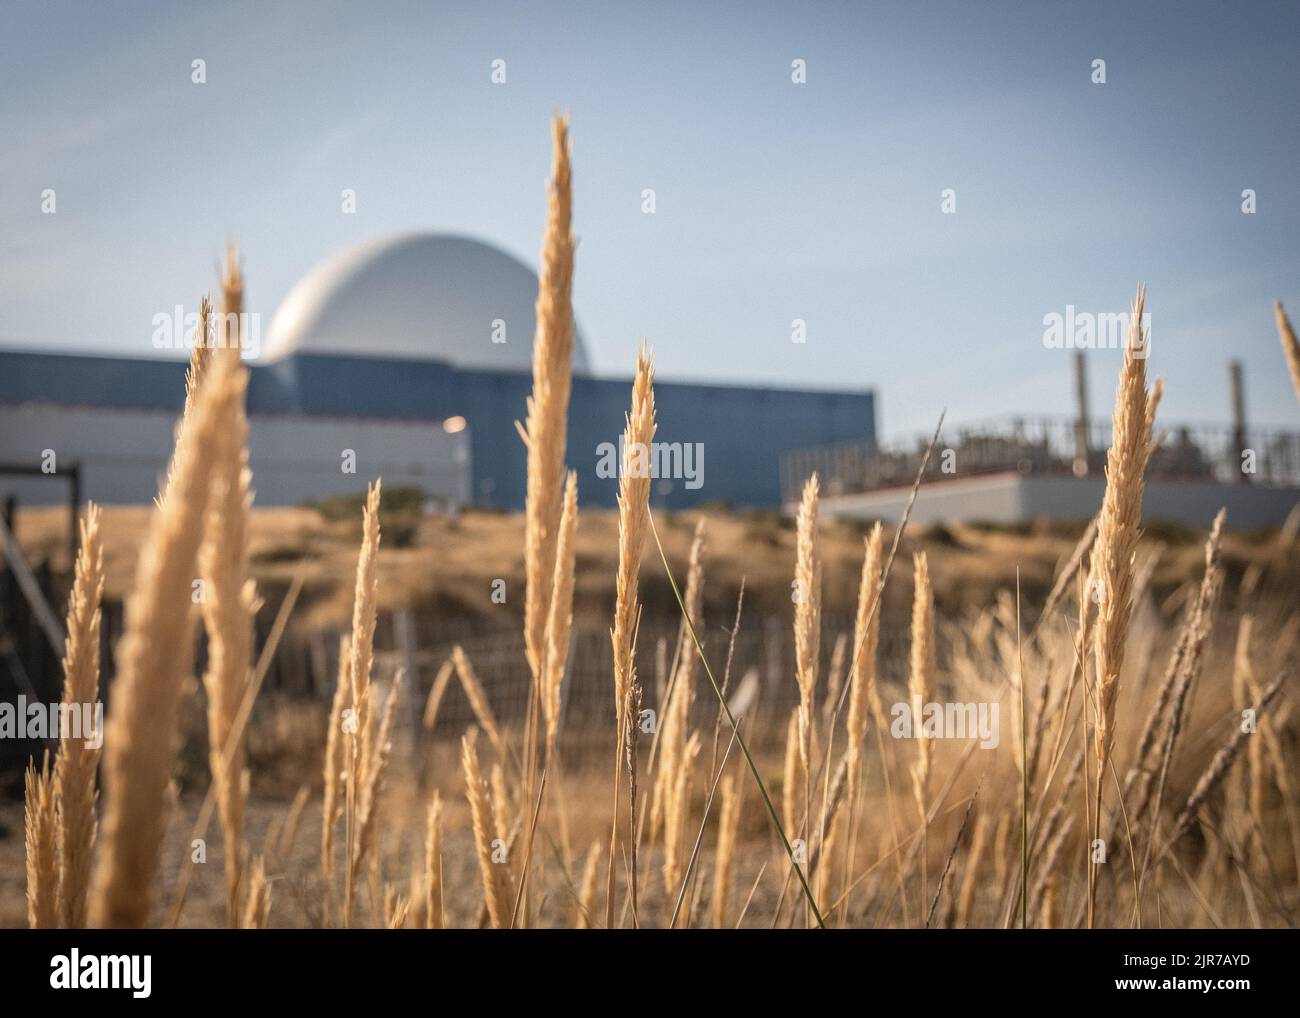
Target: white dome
x=423, y=296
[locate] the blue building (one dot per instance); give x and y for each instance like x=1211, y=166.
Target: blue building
x=414, y=354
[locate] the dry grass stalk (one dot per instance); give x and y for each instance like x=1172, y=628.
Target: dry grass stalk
x=367, y=816
x=633, y=514
x=694, y=598
x=677, y=811
x=436, y=693
x=548, y=406
x=335, y=770
x=1184, y=666
x=947, y=862
x=1111, y=574
x=1222, y=762
x=292, y=821
x=1047, y=914
x=724, y=860
x=1290, y=345
x=153, y=659
x=1282, y=776
x=584, y=912
x=501, y=806
x=364, y=830
x=866, y=637
x=1196, y=621
x=1266, y=756
x=834, y=679
x=200, y=359
x=829, y=813
x=807, y=615
x=1001, y=850
x=1048, y=874
x=271, y=839
x=397, y=908
x=1038, y=733
x=807, y=635
x=1239, y=789
x=1061, y=586
x=826, y=855
x=920, y=684
x=230, y=600
x=1243, y=674
x=791, y=775
x=1117, y=530
x=434, y=917
x=365, y=613
x=1270, y=743
x=42, y=862
x=232, y=293
x=631, y=743
x=1153, y=404
x=633, y=521
x=478, y=700
x=77, y=762
x=970, y=878
x=257, y=908
x=559, y=622
x=361, y=752
x=674, y=727
x=488, y=842
x=200, y=354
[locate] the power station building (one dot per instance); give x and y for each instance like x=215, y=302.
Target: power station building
x=1013, y=469
x=409, y=358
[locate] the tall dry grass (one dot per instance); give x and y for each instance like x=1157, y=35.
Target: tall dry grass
x=559, y=621
x=434, y=908
x=920, y=688
x=39, y=841
x=1112, y=574
x=1290, y=345
x=724, y=856
x=489, y=841
x=866, y=639
x=807, y=619
x=633, y=522
x=1120, y=738
x=229, y=600
x=548, y=405
x=77, y=764
x=362, y=768
x=154, y=661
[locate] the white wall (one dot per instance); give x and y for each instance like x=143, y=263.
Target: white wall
x=1194, y=503
x=1009, y=497
x=996, y=498
x=123, y=453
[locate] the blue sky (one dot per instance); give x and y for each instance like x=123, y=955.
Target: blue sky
x=775, y=201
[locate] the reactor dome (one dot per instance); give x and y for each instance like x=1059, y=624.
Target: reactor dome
x=422, y=296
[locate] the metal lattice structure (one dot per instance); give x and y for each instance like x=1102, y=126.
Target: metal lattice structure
x=1047, y=446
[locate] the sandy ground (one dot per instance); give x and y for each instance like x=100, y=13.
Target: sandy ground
x=446, y=568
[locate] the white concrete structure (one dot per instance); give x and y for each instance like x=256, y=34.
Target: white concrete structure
x=420, y=296
x=1010, y=497
x=123, y=454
